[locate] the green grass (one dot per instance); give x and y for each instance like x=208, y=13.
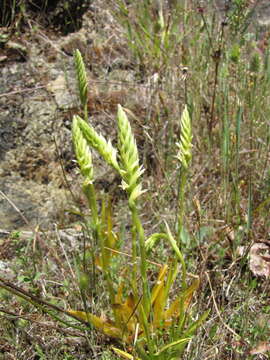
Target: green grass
x=227, y=201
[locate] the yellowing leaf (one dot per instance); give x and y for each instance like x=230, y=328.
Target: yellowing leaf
x=124, y=354
x=173, y=311
x=106, y=326
x=159, y=284
x=159, y=305
x=109, y=238
x=126, y=315
x=118, y=297
x=188, y=293
x=158, y=297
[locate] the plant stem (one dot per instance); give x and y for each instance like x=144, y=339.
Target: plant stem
x=181, y=203
x=146, y=300
x=90, y=193
x=143, y=264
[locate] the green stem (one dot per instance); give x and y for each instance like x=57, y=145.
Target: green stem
x=180, y=220
x=181, y=202
x=90, y=193
x=146, y=301
x=85, y=111
x=134, y=263
x=143, y=264
x=179, y=256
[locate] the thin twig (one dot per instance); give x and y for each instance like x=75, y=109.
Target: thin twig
x=15, y=207
x=44, y=324
x=149, y=261
x=217, y=309
x=130, y=256
x=22, y=91
x=5, y=284
x=64, y=252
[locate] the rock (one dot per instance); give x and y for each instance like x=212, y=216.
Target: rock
x=74, y=41
x=5, y=270
x=64, y=95
x=30, y=121
x=263, y=15
x=27, y=200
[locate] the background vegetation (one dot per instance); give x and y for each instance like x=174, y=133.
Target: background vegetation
x=65, y=16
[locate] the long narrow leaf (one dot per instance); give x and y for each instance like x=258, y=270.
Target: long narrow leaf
x=172, y=345
x=124, y=354
x=107, y=327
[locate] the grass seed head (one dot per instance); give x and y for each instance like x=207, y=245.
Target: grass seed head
x=130, y=168
x=81, y=77
x=82, y=151
x=184, y=154
x=98, y=142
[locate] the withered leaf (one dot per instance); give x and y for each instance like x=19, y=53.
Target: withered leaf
x=259, y=262
x=261, y=348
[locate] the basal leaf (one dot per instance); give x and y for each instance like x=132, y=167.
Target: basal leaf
x=126, y=315
x=158, y=300
x=124, y=354
x=173, y=345
x=174, y=310
x=158, y=284
x=106, y=326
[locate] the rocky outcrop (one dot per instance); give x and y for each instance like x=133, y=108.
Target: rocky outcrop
x=37, y=101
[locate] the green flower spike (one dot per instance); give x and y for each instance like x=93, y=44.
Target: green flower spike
x=130, y=168
x=81, y=77
x=82, y=151
x=184, y=154
x=98, y=142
